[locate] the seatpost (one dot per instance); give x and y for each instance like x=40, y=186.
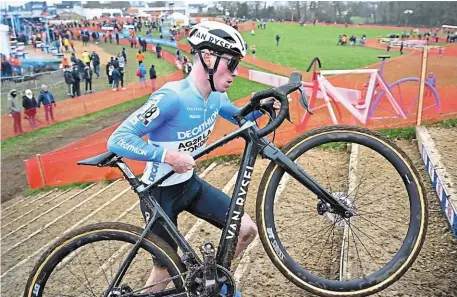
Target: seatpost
x=128, y=174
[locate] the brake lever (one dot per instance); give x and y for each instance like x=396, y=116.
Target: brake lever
x=303, y=101
x=268, y=107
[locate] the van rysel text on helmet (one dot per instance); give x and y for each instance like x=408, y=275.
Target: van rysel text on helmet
x=216, y=41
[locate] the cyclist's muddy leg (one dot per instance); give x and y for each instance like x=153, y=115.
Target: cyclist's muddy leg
x=158, y=273
x=248, y=232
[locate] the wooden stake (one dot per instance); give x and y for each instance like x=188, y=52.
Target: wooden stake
x=422, y=85
x=40, y=166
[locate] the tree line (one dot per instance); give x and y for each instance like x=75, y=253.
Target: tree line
x=396, y=13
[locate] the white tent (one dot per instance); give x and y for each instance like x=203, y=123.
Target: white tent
x=443, y=27
x=178, y=19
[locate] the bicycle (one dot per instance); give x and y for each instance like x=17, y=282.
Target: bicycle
x=191, y=275
x=397, y=100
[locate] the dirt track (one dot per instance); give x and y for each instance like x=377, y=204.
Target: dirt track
x=431, y=275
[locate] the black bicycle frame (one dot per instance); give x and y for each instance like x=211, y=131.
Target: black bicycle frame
x=228, y=241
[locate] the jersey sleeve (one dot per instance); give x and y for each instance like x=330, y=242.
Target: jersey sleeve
x=127, y=140
x=228, y=109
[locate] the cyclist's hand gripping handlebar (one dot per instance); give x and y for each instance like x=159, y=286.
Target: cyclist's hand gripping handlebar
x=280, y=93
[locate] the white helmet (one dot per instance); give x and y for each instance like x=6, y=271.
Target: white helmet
x=217, y=37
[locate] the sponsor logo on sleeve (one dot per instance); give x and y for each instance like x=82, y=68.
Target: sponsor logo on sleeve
x=131, y=148
x=148, y=112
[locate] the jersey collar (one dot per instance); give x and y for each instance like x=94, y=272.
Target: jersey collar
x=193, y=87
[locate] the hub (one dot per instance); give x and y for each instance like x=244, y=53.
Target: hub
x=336, y=219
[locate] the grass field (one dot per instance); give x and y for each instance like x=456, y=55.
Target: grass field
x=162, y=66
x=298, y=45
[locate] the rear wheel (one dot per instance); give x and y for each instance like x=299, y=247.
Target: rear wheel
x=84, y=262
x=406, y=93
x=326, y=254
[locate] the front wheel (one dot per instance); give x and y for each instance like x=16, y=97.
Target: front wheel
x=85, y=261
x=329, y=255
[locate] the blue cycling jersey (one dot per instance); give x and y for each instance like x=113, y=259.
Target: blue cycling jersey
x=175, y=117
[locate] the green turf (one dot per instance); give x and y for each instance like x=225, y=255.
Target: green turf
x=26, y=140
x=298, y=45
x=243, y=87
x=161, y=65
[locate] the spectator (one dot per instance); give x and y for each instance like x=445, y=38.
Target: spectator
x=145, y=45
x=109, y=72
x=66, y=43
x=178, y=54
x=431, y=79
x=48, y=102
x=121, y=69
x=115, y=62
x=14, y=110
x=86, y=58
x=96, y=63
x=116, y=77
x=124, y=55
x=29, y=103
x=140, y=57
x=188, y=68
x=77, y=80
x=65, y=62
x=117, y=38
x=73, y=59
x=152, y=77
x=141, y=73
x=88, y=78
x=7, y=70
x=253, y=51
x=158, y=51
x=72, y=44
x=69, y=80
x=277, y=39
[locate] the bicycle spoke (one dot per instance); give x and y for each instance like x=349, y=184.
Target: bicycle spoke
x=158, y=283
x=394, y=236
x=325, y=243
x=309, y=250
x=62, y=295
x=85, y=276
x=356, y=189
x=369, y=237
x=292, y=222
x=392, y=194
x=79, y=281
x=360, y=213
x=357, y=250
x=350, y=226
x=101, y=265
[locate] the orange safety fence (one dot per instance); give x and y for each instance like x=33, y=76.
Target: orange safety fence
x=59, y=167
x=86, y=104
x=80, y=106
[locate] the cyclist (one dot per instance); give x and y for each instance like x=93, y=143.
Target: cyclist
x=179, y=118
